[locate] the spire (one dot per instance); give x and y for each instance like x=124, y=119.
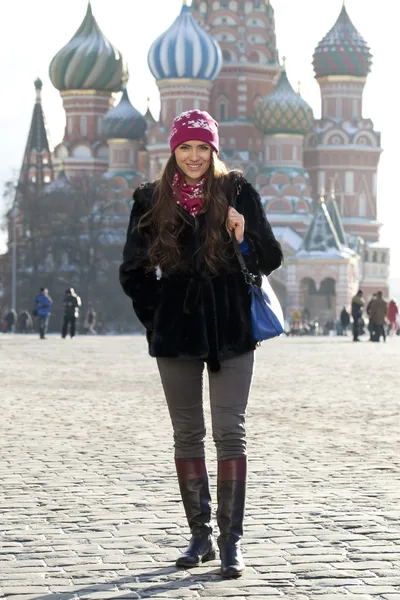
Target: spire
x=37, y=159
x=150, y=120
x=321, y=236
x=334, y=214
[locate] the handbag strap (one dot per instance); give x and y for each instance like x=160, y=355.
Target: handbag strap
x=249, y=277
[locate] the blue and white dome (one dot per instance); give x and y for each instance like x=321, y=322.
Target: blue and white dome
x=185, y=51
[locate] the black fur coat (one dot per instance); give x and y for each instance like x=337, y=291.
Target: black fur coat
x=194, y=314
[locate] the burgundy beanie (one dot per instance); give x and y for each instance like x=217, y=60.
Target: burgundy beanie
x=194, y=125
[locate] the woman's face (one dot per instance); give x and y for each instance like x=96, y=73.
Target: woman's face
x=194, y=159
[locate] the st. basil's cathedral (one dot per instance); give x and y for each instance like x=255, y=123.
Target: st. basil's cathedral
x=317, y=177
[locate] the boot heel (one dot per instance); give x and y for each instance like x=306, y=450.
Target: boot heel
x=212, y=555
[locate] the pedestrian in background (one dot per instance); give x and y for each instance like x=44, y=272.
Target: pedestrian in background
x=198, y=312
x=72, y=303
x=24, y=323
x=344, y=320
x=43, y=304
x=378, y=312
x=392, y=315
x=357, y=307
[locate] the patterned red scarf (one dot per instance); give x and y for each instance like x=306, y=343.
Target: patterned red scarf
x=189, y=197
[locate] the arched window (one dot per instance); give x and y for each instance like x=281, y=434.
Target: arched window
x=375, y=257
x=179, y=106
x=223, y=111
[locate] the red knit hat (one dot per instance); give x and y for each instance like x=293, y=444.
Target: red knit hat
x=194, y=125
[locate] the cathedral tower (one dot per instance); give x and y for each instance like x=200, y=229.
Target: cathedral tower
x=343, y=146
x=245, y=30
x=185, y=60
x=86, y=71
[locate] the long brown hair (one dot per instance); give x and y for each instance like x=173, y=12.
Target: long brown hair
x=166, y=221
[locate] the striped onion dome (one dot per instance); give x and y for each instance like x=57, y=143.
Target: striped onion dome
x=283, y=111
x=342, y=51
x=186, y=51
x=124, y=121
x=89, y=61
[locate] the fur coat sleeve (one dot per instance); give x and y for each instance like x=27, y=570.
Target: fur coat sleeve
x=265, y=251
x=141, y=285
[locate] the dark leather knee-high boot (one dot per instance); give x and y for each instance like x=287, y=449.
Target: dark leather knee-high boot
x=231, y=494
x=193, y=484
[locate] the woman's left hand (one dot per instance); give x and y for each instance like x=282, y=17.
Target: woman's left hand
x=235, y=222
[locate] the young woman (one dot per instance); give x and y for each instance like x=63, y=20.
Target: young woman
x=187, y=289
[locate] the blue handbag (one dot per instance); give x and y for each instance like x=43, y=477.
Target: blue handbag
x=266, y=313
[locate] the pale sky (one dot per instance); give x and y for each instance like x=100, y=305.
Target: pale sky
x=32, y=32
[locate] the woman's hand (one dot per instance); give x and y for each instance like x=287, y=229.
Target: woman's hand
x=235, y=222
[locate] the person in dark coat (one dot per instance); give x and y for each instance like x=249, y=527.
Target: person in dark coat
x=72, y=303
x=43, y=304
x=187, y=289
x=344, y=320
x=378, y=314
x=10, y=320
x=357, y=307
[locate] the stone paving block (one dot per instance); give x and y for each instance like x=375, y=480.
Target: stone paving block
x=80, y=483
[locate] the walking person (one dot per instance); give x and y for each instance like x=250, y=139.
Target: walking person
x=370, y=323
x=392, y=315
x=378, y=312
x=357, y=306
x=181, y=272
x=344, y=320
x=43, y=304
x=72, y=303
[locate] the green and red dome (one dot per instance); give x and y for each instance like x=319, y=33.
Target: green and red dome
x=283, y=111
x=343, y=51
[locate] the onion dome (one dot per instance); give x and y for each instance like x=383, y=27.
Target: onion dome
x=283, y=111
x=89, y=61
x=185, y=51
x=342, y=51
x=124, y=121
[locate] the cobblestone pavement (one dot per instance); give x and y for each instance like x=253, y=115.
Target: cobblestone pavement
x=89, y=504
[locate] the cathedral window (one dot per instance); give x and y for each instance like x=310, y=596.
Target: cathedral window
x=321, y=180
x=84, y=126
x=362, y=210
x=383, y=258
x=375, y=257
x=179, y=106
x=349, y=182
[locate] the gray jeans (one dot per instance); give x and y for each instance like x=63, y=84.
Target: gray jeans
x=182, y=380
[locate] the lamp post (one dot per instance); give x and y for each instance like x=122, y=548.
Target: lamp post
x=14, y=213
